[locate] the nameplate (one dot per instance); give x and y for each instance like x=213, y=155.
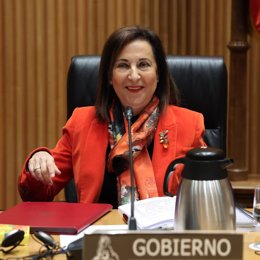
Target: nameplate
x=162, y=245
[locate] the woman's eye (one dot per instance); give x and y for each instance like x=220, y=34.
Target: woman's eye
x=143, y=65
x=122, y=66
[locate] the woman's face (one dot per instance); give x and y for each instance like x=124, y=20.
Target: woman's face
x=134, y=75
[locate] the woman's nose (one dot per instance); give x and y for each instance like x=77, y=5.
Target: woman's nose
x=134, y=74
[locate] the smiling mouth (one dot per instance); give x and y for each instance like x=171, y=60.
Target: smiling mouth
x=134, y=88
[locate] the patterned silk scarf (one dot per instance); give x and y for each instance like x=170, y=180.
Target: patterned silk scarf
x=143, y=130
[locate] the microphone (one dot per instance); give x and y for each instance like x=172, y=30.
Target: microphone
x=131, y=220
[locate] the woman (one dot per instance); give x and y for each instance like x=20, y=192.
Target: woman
x=94, y=145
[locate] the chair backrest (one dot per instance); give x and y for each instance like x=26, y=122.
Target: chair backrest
x=202, y=82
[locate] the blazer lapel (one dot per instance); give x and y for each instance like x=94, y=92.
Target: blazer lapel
x=163, y=156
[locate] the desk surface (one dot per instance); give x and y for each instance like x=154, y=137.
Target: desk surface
x=114, y=218
x=249, y=184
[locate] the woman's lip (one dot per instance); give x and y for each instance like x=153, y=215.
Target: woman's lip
x=134, y=89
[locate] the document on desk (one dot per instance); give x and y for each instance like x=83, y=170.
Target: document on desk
x=65, y=240
x=158, y=213
x=244, y=219
x=152, y=213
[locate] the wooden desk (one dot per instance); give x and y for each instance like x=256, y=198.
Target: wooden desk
x=244, y=191
x=113, y=218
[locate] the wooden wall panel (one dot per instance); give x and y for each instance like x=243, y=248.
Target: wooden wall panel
x=9, y=123
x=19, y=109
x=238, y=136
x=2, y=109
x=38, y=38
x=253, y=96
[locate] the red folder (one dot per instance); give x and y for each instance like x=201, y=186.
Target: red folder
x=54, y=217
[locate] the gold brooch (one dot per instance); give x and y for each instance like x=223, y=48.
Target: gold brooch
x=164, y=139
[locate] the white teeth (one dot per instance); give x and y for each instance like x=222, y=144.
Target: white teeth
x=134, y=88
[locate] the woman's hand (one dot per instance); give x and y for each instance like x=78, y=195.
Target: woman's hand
x=42, y=167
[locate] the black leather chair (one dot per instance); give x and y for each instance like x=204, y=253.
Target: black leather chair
x=202, y=82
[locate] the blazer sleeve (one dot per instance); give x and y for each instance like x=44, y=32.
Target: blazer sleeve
x=32, y=190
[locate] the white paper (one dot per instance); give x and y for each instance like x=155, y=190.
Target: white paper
x=65, y=240
x=152, y=213
x=243, y=220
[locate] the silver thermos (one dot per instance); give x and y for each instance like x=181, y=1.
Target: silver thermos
x=204, y=200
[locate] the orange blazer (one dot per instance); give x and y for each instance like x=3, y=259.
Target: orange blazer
x=81, y=153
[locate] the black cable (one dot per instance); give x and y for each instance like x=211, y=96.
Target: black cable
x=49, y=248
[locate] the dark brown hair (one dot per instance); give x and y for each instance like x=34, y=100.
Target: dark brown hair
x=166, y=89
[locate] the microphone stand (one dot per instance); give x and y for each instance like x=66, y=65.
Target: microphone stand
x=131, y=220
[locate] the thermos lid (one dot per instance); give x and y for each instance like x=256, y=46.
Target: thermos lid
x=206, y=154
x=206, y=163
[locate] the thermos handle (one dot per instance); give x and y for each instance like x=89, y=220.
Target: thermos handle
x=170, y=170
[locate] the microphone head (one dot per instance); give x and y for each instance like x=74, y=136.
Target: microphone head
x=128, y=112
